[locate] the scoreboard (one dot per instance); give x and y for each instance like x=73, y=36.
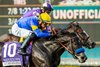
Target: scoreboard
x=9, y=14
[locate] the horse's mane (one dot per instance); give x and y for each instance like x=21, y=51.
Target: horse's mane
x=43, y=41
x=61, y=33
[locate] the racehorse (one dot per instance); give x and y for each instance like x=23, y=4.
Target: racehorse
x=54, y=49
x=47, y=53
x=82, y=35
x=85, y=39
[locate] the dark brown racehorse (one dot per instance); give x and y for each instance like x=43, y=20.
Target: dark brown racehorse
x=82, y=35
x=47, y=53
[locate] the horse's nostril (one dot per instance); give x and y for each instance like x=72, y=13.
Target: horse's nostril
x=93, y=44
x=82, y=57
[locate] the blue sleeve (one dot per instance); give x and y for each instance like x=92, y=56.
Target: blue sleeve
x=45, y=31
x=34, y=21
x=39, y=33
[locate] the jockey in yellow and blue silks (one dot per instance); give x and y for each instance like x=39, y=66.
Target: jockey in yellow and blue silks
x=30, y=28
x=45, y=7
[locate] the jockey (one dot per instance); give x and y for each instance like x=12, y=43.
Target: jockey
x=46, y=7
x=31, y=28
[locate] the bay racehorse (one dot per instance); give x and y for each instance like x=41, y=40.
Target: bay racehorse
x=46, y=53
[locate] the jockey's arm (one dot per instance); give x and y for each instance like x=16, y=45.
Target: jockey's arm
x=51, y=30
x=39, y=33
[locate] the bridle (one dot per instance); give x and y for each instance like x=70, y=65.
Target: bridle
x=70, y=43
x=79, y=33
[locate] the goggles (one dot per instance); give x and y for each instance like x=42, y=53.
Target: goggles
x=47, y=24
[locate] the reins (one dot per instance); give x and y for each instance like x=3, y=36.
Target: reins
x=66, y=47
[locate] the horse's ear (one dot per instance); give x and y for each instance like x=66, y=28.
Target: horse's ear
x=72, y=24
x=77, y=23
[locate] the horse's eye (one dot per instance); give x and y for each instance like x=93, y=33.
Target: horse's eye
x=83, y=34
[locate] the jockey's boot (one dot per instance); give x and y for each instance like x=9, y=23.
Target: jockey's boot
x=25, y=44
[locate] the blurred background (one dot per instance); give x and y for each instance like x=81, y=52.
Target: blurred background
x=86, y=12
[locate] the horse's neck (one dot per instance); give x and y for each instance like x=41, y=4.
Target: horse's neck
x=59, y=51
x=51, y=46
x=61, y=40
x=54, y=48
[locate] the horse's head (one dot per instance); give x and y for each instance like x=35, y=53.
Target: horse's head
x=82, y=35
x=73, y=46
x=8, y=38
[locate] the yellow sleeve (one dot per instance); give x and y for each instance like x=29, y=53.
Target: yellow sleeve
x=34, y=27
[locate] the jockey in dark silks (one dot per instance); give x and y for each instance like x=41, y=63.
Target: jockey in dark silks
x=31, y=28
